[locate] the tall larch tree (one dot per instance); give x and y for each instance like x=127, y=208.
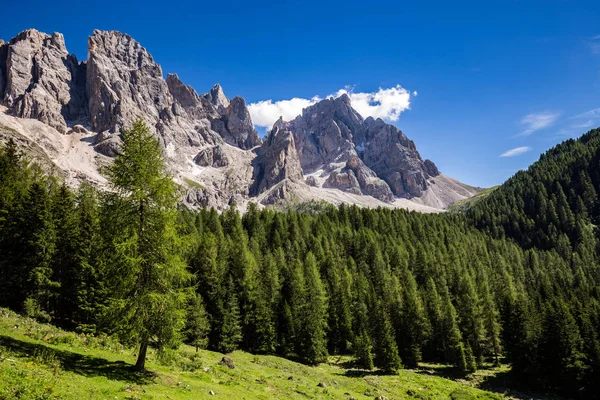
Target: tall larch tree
x=150, y=277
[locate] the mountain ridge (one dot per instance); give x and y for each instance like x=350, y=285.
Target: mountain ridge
x=208, y=138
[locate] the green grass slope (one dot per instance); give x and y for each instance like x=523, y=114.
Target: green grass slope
x=464, y=205
x=38, y=361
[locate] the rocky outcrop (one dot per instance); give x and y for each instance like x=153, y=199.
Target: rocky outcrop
x=3, y=54
x=42, y=81
x=193, y=105
x=209, y=141
x=276, y=160
x=217, y=97
x=345, y=181
x=123, y=83
x=213, y=156
x=370, y=183
x=235, y=125
x=323, y=133
x=395, y=159
x=384, y=161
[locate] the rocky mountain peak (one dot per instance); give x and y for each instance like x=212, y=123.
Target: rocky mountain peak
x=207, y=138
x=331, y=133
x=217, y=97
x=123, y=83
x=41, y=80
x=235, y=125
x=277, y=161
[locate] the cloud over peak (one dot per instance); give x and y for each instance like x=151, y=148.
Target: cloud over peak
x=386, y=104
x=516, y=151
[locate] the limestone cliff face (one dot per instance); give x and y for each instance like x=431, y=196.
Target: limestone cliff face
x=235, y=124
x=331, y=134
x=277, y=161
x=209, y=140
x=3, y=53
x=41, y=80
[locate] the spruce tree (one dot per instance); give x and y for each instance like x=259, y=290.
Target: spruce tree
x=230, y=335
x=385, y=347
x=362, y=348
x=197, y=325
x=312, y=347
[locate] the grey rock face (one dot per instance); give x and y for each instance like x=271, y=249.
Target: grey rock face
x=235, y=125
x=323, y=133
x=212, y=157
x=123, y=83
x=217, y=97
x=107, y=143
x=3, y=54
x=278, y=195
x=395, y=159
x=276, y=160
x=185, y=96
x=120, y=82
x=345, y=181
x=370, y=183
x=384, y=161
x=311, y=181
x=42, y=80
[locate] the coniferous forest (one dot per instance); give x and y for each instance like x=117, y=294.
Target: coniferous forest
x=514, y=279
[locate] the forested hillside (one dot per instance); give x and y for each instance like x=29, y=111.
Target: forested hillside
x=551, y=205
x=390, y=287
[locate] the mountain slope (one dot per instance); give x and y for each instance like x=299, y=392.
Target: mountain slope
x=209, y=140
x=552, y=204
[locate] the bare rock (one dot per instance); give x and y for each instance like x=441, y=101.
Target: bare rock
x=277, y=195
x=217, y=97
x=123, y=83
x=79, y=129
x=345, y=181
x=323, y=133
x=212, y=157
x=109, y=145
x=276, y=161
x=3, y=54
x=395, y=159
x=228, y=362
x=311, y=181
x=384, y=161
x=370, y=183
x=235, y=125
x=42, y=80
x=191, y=103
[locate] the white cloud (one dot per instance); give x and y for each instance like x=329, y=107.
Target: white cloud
x=265, y=113
x=516, y=151
x=386, y=104
x=584, y=124
x=586, y=119
x=592, y=114
x=537, y=121
x=415, y=93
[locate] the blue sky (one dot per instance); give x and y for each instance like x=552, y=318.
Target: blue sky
x=491, y=76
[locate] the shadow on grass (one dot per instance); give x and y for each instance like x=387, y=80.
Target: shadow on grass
x=442, y=371
x=501, y=382
x=80, y=364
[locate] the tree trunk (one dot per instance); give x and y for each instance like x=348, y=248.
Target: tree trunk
x=140, y=365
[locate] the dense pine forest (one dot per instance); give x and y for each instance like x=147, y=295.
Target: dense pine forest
x=515, y=279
